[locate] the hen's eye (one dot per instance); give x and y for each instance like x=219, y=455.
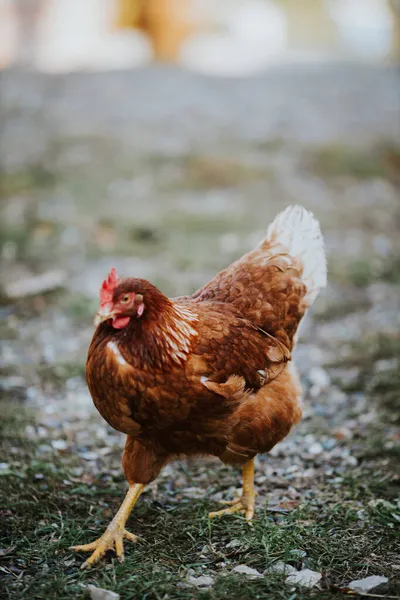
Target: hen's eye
x=125, y=298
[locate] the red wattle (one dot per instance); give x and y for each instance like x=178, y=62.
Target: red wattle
x=120, y=322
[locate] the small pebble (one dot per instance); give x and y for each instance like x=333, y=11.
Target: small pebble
x=315, y=449
x=368, y=584
x=203, y=581
x=59, y=444
x=297, y=553
x=281, y=567
x=89, y=455
x=304, y=578
x=386, y=364
x=233, y=543
x=101, y=594
x=343, y=433
x=248, y=571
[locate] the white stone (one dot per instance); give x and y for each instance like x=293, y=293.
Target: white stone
x=292, y=469
x=368, y=584
x=386, y=364
x=101, y=594
x=59, y=444
x=350, y=460
x=248, y=571
x=315, y=449
x=202, y=581
x=319, y=377
x=298, y=553
x=304, y=578
x=37, y=284
x=89, y=455
x=281, y=567
x=233, y=543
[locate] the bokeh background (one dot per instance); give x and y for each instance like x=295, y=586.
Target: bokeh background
x=162, y=137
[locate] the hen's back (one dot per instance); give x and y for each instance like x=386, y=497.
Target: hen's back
x=273, y=285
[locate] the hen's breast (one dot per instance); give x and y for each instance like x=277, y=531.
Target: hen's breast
x=106, y=372
x=136, y=397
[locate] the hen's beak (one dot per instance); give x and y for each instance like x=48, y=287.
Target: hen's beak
x=103, y=314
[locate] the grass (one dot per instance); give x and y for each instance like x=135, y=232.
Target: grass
x=369, y=349
x=365, y=271
x=205, y=172
x=338, y=160
x=51, y=516
x=345, y=527
x=33, y=177
x=381, y=385
x=345, y=532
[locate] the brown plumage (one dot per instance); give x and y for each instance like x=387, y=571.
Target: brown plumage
x=209, y=373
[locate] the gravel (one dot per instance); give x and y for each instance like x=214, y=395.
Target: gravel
x=305, y=578
x=373, y=583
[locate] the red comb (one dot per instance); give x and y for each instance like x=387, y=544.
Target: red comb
x=108, y=287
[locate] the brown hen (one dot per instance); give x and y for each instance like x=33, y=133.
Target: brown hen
x=208, y=373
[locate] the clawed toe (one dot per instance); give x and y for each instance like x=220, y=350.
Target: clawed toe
x=112, y=539
x=242, y=505
x=230, y=502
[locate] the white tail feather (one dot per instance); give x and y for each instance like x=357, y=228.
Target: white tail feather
x=297, y=232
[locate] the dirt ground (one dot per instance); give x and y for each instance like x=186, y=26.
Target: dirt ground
x=170, y=176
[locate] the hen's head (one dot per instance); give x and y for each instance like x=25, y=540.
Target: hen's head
x=124, y=299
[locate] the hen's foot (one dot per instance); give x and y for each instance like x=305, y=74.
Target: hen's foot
x=114, y=535
x=242, y=504
x=246, y=502
x=112, y=539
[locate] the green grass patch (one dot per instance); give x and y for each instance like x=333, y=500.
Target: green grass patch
x=378, y=360
x=42, y=518
x=204, y=172
x=32, y=177
x=57, y=374
x=79, y=307
x=363, y=272
x=345, y=533
x=340, y=160
x=331, y=309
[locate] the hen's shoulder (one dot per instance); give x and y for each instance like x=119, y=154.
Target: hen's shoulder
x=229, y=345
x=266, y=288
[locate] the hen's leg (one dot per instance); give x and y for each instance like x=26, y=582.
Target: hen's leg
x=247, y=500
x=112, y=538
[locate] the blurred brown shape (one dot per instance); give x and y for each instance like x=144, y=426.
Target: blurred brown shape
x=168, y=23
x=394, y=6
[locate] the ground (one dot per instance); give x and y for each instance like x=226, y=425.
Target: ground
x=170, y=176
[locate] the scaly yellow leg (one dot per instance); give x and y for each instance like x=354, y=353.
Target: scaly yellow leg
x=247, y=500
x=115, y=532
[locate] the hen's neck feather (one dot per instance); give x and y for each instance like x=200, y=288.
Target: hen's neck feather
x=162, y=337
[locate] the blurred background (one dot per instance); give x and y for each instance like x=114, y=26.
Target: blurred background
x=228, y=37
x=161, y=137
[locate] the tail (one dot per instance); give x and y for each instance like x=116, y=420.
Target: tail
x=296, y=232
x=266, y=285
